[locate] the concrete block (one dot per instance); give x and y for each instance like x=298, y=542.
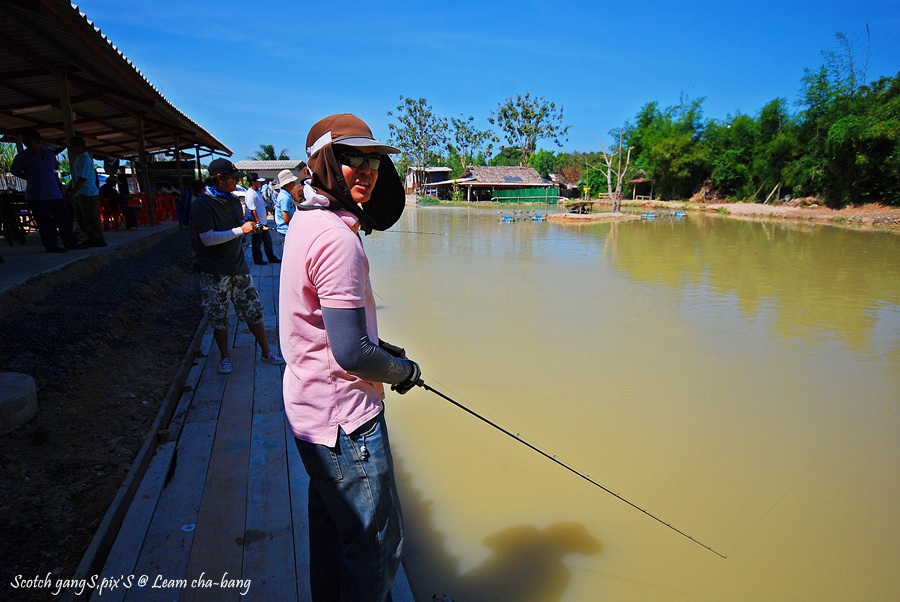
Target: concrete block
x=18, y=400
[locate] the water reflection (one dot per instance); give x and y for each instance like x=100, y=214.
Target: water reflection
x=820, y=281
x=737, y=379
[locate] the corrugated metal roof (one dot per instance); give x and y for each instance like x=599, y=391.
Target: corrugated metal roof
x=256, y=165
x=50, y=51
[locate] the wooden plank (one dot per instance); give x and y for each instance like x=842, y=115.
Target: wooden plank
x=269, y=542
x=217, y=549
x=207, y=399
x=130, y=540
x=298, y=483
x=267, y=396
x=268, y=539
x=170, y=536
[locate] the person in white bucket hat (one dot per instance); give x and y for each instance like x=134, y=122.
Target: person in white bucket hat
x=284, y=204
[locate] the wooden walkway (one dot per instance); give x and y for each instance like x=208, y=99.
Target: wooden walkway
x=220, y=512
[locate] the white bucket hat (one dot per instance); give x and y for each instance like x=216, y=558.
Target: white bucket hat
x=286, y=176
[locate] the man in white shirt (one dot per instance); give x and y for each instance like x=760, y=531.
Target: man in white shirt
x=256, y=211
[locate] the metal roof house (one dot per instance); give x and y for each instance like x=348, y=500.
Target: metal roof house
x=484, y=183
x=269, y=169
x=431, y=175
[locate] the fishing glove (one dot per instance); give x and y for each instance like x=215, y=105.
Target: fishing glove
x=411, y=381
x=392, y=349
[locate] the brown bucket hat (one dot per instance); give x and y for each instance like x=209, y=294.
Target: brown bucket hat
x=388, y=199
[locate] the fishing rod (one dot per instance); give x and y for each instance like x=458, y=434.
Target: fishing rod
x=566, y=466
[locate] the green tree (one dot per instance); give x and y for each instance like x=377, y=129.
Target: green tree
x=731, y=144
x=419, y=133
x=7, y=154
x=468, y=141
x=544, y=162
x=507, y=157
x=862, y=148
x=266, y=152
x=669, y=147
x=777, y=147
x=590, y=169
x=526, y=120
x=827, y=96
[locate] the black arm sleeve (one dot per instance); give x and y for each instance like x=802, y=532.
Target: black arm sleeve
x=355, y=353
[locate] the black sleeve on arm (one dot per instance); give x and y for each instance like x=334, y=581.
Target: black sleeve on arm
x=355, y=353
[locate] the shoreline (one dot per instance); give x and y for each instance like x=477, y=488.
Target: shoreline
x=872, y=216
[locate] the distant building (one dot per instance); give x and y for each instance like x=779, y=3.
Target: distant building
x=432, y=174
x=269, y=169
x=566, y=188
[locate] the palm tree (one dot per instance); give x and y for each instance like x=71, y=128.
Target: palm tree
x=7, y=154
x=266, y=152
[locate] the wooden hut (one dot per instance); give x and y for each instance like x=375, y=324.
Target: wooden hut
x=483, y=183
x=641, y=188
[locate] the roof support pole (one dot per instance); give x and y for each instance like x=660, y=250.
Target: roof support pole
x=178, y=163
x=197, y=155
x=66, y=104
x=145, y=173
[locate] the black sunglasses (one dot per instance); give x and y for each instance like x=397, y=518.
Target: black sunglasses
x=355, y=159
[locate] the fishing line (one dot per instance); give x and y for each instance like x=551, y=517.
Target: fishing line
x=566, y=466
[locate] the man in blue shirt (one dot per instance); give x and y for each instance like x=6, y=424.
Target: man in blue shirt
x=284, y=204
x=37, y=166
x=85, y=192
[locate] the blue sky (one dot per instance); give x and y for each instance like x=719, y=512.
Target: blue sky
x=263, y=72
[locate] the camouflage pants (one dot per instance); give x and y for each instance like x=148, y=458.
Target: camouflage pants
x=215, y=291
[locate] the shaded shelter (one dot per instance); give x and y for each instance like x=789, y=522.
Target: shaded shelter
x=61, y=76
x=641, y=188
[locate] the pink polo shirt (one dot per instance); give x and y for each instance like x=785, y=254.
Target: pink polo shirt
x=323, y=264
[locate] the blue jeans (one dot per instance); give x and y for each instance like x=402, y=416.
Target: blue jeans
x=355, y=521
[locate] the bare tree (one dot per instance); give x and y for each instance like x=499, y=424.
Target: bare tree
x=617, y=173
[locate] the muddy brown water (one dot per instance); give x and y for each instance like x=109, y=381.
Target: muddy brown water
x=738, y=380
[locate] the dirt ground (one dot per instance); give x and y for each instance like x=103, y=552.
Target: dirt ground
x=866, y=216
x=103, y=350
x=871, y=216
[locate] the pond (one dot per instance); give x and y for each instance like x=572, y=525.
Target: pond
x=737, y=381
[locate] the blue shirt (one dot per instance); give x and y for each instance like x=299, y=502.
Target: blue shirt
x=283, y=202
x=39, y=173
x=84, y=168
